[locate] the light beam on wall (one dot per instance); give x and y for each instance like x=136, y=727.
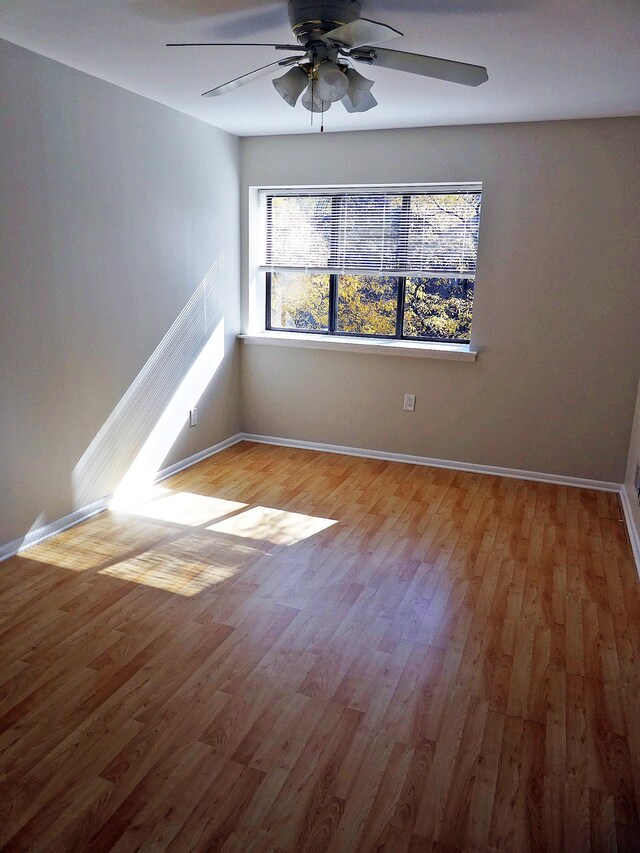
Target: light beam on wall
x=142, y=428
x=141, y=476
x=34, y=534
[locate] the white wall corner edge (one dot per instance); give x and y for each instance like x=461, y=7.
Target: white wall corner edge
x=626, y=496
x=40, y=534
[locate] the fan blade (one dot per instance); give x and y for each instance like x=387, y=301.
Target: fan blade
x=234, y=44
x=368, y=102
x=427, y=66
x=249, y=77
x=361, y=32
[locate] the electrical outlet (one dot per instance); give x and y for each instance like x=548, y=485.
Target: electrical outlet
x=636, y=482
x=193, y=417
x=409, y=402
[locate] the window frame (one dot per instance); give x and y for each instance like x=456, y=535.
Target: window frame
x=334, y=276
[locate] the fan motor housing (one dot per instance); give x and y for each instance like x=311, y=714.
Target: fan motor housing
x=311, y=19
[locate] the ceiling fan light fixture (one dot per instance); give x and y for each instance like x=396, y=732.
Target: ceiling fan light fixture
x=312, y=102
x=359, y=89
x=332, y=83
x=331, y=35
x=291, y=85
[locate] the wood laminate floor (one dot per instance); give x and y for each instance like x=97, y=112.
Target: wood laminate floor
x=294, y=651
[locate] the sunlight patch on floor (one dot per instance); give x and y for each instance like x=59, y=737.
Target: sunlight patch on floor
x=172, y=574
x=272, y=525
x=186, y=562
x=73, y=558
x=184, y=507
x=186, y=566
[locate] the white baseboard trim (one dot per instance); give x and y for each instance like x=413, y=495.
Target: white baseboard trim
x=514, y=473
x=10, y=549
x=40, y=534
x=199, y=457
x=634, y=533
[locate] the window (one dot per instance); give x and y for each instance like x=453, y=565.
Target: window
x=372, y=262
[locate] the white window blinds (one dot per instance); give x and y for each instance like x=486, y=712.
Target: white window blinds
x=426, y=233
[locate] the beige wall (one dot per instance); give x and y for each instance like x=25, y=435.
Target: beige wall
x=634, y=458
x=112, y=210
x=556, y=317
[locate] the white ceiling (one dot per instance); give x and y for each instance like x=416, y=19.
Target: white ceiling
x=547, y=59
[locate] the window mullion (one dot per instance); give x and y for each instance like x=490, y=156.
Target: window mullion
x=267, y=300
x=333, y=303
x=400, y=307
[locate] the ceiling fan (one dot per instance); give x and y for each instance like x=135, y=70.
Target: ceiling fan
x=331, y=35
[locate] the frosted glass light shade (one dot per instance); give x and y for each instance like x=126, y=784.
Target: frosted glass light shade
x=315, y=104
x=291, y=85
x=364, y=104
x=332, y=84
x=358, y=96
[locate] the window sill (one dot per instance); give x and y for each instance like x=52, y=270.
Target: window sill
x=411, y=349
